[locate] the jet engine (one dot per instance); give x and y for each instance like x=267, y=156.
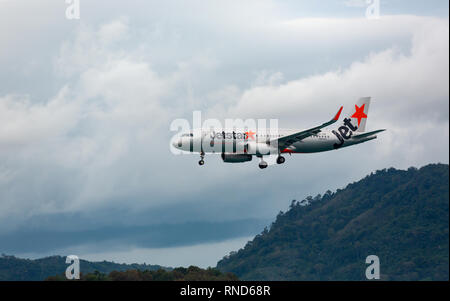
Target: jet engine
x=236, y=158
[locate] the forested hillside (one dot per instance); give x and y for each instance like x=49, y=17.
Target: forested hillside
x=13, y=268
x=191, y=273
x=400, y=216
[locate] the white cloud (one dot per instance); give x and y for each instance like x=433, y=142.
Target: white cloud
x=110, y=115
x=27, y=124
x=407, y=88
x=356, y=3
x=113, y=32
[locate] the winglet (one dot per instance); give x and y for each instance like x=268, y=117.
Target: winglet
x=336, y=118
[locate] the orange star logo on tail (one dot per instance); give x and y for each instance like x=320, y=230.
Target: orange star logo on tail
x=359, y=114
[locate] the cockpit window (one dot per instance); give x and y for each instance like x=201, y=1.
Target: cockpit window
x=187, y=135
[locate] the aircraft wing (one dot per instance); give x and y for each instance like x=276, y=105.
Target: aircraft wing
x=285, y=141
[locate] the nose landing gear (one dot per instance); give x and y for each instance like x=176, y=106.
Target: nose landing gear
x=202, y=156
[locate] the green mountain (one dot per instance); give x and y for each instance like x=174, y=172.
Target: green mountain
x=400, y=216
x=13, y=268
x=191, y=273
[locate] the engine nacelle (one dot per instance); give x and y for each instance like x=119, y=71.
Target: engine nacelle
x=236, y=158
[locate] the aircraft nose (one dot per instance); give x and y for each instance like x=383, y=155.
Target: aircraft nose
x=176, y=143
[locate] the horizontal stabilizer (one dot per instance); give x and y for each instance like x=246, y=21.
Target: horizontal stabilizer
x=359, y=136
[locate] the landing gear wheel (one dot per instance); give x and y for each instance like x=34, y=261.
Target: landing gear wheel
x=202, y=156
x=280, y=160
x=262, y=164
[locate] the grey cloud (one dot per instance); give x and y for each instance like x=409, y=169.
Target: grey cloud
x=86, y=139
x=115, y=237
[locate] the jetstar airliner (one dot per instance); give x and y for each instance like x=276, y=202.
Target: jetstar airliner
x=236, y=146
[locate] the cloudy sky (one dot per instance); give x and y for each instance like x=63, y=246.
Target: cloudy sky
x=86, y=107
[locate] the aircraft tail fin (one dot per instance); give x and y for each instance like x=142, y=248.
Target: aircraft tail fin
x=360, y=113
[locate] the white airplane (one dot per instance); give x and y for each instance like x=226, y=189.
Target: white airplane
x=236, y=146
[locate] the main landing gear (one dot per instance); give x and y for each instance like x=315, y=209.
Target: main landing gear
x=263, y=164
x=202, y=156
x=280, y=160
